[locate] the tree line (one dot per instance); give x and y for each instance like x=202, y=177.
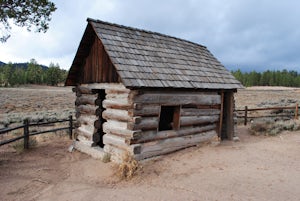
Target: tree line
x=34, y=73
x=268, y=78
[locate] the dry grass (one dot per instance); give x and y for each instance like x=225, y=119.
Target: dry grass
x=19, y=145
x=128, y=168
x=254, y=96
x=106, y=158
x=271, y=128
x=39, y=103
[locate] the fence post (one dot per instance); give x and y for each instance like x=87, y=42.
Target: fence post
x=26, y=133
x=70, y=126
x=296, y=111
x=246, y=115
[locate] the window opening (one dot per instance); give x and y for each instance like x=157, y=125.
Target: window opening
x=169, y=118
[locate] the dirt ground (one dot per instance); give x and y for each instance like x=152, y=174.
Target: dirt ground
x=255, y=168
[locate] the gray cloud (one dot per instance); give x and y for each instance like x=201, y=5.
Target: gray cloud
x=248, y=34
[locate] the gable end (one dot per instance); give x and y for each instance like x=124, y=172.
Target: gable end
x=92, y=63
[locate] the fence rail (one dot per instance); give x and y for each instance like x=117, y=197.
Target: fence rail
x=247, y=110
x=26, y=133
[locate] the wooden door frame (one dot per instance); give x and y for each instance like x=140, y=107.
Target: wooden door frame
x=227, y=130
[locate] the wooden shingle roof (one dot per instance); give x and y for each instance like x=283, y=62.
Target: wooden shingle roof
x=147, y=59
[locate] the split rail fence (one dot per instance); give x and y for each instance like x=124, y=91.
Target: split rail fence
x=26, y=131
x=246, y=111
x=26, y=124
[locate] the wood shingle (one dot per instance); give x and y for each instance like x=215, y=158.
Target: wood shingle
x=147, y=59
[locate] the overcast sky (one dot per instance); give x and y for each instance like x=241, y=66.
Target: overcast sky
x=245, y=34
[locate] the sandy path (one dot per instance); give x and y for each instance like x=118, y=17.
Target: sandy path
x=256, y=168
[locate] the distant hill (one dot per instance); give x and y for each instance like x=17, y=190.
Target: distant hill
x=22, y=65
x=2, y=63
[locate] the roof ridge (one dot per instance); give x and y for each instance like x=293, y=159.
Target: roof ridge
x=143, y=30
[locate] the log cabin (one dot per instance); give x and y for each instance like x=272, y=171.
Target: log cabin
x=146, y=93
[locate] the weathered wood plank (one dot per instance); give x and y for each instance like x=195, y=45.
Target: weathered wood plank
x=178, y=99
x=118, y=153
x=118, y=96
x=100, y=61
x=86, y=99
x=195, y=120
x=105, y=61
x=84, y=140
x=221, y=115
x=115, y=152
x=86, y=120
x=84, y=90
x=176, y=118
x=86, y=109
x=172, y=144
x=209, y=106
x=119, y=90
x=145, y=110
x=115, y=124
x=95, y=152
x=229, y=109
x=96, y=67
x=199, y=112
x=115, y=140
x=113, y=129
x=108, y=86
x=88, y=128
x=145, y=123
x=84, y=132
x=148, y=136
x=111, y=142
x=116, y=104
x=116, y=114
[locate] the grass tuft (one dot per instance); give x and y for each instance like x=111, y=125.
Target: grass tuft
x=128, y=168
x=106, y=158
x=19, y=145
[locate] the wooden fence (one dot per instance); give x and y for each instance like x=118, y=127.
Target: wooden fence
x=26, y=133
x=247, y=110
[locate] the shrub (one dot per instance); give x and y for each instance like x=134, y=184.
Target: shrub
x=274, y=128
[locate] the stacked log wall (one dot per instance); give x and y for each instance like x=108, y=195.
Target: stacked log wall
x=96, y=114
x=132, y=120
x=86, y=114
x=116, y=112
x=199, y=118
